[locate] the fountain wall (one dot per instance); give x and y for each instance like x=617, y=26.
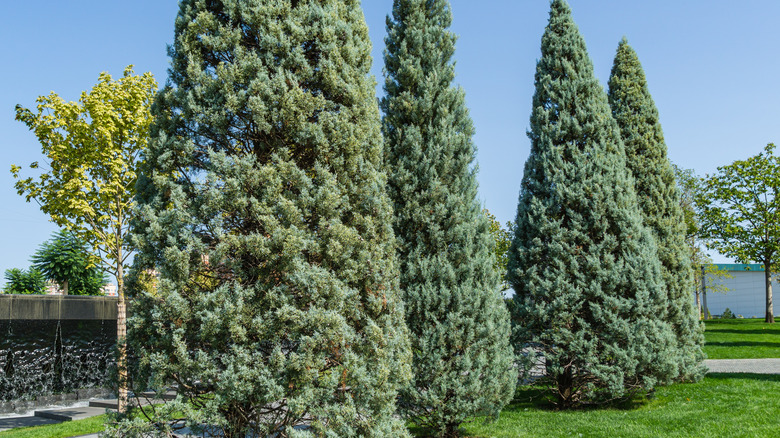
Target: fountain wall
x=54, y=348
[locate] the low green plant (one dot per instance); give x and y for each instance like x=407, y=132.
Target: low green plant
x=19, y=281
x=727, y=314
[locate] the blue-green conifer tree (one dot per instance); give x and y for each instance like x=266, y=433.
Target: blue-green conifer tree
x=264, y=208
x=458, y=322
x=582, y=264
x=637, y=116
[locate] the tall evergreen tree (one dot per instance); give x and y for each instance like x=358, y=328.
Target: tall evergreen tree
x=458, y=322
x=263, y=206
x=659, y=200
x=583, y=266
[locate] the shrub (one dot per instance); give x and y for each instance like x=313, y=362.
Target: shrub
x=20, y=281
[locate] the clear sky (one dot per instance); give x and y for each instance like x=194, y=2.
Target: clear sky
x=712, y=68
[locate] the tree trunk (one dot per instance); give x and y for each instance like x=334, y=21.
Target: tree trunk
x=565, y=384
x=121, y=334
x=706, y=309
x=65, y=287
x=770, y=313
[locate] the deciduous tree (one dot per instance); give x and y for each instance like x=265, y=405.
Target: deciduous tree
x=66, y=260
x=92, y=149
x=20, y=281
x=739, y=213
x=689, y=185
x=503, y=238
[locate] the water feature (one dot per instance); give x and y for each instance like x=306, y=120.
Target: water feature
x=56, y=356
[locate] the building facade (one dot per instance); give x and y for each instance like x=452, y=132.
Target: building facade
x=745, y=292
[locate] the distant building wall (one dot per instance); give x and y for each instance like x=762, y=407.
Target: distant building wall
x=52, y=288
x=746, y=294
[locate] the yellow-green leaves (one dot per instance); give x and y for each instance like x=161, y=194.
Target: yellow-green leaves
x=91, y=151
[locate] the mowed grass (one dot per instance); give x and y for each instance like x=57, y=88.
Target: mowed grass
x=741, y=339
x=722, y=405
x=61, y=430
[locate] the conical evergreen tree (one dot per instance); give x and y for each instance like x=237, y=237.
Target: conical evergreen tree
x=458, y=322
x=264, y=209
x=583, y=266
x=637, y=116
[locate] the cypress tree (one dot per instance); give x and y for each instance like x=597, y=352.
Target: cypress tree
x=458, y=322
x=582, y=264
x=264, y=208
x=659, y=200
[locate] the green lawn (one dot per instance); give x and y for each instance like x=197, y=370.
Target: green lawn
x=723, y=405
x=61, y=430
x=741, y=339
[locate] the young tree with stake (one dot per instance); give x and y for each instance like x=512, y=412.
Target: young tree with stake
x=93, y=149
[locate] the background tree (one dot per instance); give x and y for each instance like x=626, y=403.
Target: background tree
x=739, y=213
x=458, y=323
x=659, y=202
x=689, y=185
x=582, y=264
x=92, y=148
x=263, y=207
x=19, y=281
x=503, y=239
x=66, y=260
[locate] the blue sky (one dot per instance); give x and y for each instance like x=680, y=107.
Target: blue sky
x=712, y=68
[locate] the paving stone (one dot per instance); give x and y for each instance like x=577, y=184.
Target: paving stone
x=754, y=366
x=70, y=414
x=14, y=422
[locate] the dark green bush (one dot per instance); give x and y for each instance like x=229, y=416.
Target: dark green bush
x=19, y=281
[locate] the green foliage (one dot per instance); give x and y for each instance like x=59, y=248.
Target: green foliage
x=582, y=264
x=503, y=239
x=728, y=314
x=459, y=325
x=142, y=280
x=689, y=186
x=263, y=207
x=92, y=150
x=660, y=204
x=19, y=281
x=66, y=260
x=739, y=213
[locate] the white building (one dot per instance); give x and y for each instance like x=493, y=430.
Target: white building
x=746, y=294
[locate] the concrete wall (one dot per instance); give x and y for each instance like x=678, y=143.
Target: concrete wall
x=57, y=307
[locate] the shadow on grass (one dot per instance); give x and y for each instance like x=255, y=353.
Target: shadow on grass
x=744, y=376
x=539, y=398
x=770, y=331
x=745, y=344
